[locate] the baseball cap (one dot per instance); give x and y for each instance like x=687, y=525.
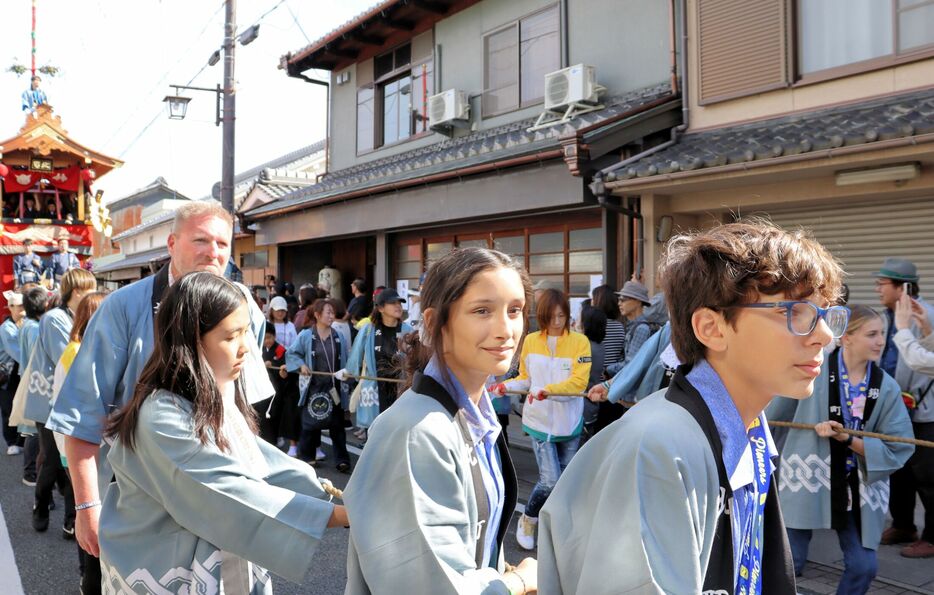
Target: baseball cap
x=278, y=303
x=388, y=295
x=13, y=298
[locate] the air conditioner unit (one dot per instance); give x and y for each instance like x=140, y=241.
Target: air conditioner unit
x=575, y=84
x=448, y=108
x=569, y=92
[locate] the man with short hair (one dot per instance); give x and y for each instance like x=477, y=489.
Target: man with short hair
x=683, y=482
x=61, y=262
x=896, y=277
x=27, y=267
x=118, y=342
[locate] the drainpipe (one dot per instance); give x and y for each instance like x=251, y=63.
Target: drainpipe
x=598, y=185
x=327, y=119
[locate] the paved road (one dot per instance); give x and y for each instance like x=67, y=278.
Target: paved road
x=47, y=564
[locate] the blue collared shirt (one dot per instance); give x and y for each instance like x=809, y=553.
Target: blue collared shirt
x=737, y=453
x=484, y=430
x=9, y=340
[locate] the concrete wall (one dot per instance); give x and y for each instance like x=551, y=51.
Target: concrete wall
x=626, y=40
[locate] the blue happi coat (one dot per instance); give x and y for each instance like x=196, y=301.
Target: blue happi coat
x=804, y=481
x=302, y=351
x=643, y=374
x=116, y=346
x=364, y=350
x=54, y=330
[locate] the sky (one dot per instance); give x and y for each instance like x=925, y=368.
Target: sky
x=118, y=58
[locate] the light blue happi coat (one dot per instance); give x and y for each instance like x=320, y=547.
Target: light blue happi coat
x=642, y=375
x=116, y=345
x=54, y=330
x=804, y=480
x=364, y=350
x=186, y=517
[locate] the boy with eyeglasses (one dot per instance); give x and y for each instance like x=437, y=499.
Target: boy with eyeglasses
x=679, y=494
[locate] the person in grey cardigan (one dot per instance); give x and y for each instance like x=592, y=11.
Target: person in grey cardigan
x=433, y=493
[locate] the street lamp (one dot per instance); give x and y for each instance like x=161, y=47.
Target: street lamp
x=178, y=106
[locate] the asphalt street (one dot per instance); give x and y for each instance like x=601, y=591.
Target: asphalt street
x=47, y=564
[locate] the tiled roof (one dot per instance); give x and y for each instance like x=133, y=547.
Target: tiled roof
x=485, y=146
x=860, y=124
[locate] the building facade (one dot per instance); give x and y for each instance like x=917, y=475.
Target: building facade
x=400, y=191
x=813, y=113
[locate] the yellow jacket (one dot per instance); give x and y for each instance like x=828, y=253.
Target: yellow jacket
x=566, y=371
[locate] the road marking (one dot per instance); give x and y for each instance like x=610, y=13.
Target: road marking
x=520, y=506
x=8, y=562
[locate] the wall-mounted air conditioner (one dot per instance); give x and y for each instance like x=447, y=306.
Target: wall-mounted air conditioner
x=448, y=109
x=569, y=92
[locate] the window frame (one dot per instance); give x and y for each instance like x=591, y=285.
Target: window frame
x=517, y=24
x=895, y=58
x=377, y=86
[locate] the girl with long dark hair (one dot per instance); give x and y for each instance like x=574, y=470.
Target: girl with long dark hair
x=433, y=493
x=198, y=497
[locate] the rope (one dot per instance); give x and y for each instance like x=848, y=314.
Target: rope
x=857, y=433
x=400, y=381
x=780, y=424
x=329, y=488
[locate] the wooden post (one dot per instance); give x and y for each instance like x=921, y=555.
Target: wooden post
x=81, y=201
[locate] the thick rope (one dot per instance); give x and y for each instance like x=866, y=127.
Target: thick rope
x=780, y=424
x=329, y=488
x=857, y=433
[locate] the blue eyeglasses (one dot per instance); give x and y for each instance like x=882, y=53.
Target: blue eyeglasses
x=803, y=316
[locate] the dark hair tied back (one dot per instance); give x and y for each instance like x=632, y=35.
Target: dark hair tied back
x=446, y=282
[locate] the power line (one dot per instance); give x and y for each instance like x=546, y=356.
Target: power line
x=166, y=74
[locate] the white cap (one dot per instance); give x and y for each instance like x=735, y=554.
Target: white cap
x=278, y=303
x=13, y=298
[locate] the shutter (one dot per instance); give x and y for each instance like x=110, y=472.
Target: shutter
x=743, y=47
x=862, y=236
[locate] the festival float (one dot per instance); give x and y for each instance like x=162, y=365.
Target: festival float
x=47, y=191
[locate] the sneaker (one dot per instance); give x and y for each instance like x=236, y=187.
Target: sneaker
x=525, y=532
x=319, y=455
x=293, y=451
x=29, y=481
x=14, y=450
x=68, y=532
x=40, y=518
x=894, y=535
x=918, y=549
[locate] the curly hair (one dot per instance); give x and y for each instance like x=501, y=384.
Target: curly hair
x=734, y=264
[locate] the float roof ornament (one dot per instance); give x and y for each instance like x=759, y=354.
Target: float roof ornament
x=43, y=135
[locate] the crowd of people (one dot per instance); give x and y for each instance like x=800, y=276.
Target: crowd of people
x=181, y=418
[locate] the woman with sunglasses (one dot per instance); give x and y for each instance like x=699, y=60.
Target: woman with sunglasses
x=831, y=479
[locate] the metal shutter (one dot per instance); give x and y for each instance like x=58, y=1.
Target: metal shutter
x=743, y=47
x=861, y=236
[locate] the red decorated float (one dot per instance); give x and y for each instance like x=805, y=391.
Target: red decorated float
x=46, y=191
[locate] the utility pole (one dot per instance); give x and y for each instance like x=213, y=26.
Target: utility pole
x=229, y=113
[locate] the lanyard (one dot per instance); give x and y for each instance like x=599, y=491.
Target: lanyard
x=847, y=398
x=749, y=580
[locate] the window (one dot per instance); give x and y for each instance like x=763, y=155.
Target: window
x=569, y=255
x=835, y=33
x=516, y=60
x=396, y=97
x=254, y=260
x=365, y=120
x=395, y=107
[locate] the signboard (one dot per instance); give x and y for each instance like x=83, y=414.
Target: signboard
x=40, y=164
